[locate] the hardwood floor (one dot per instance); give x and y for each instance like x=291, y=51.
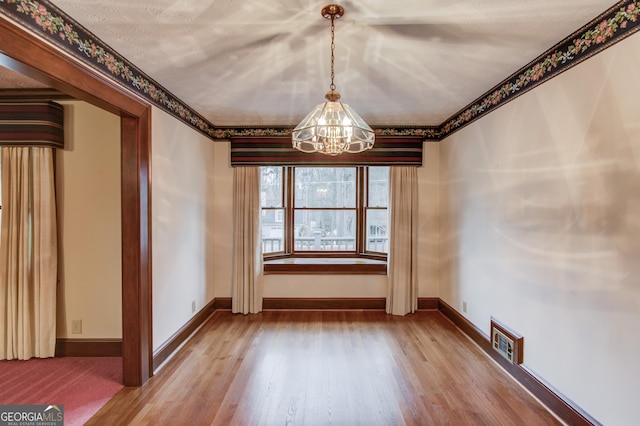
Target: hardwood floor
x=327, y=368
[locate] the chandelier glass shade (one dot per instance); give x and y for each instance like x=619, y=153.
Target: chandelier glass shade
x=332, y=127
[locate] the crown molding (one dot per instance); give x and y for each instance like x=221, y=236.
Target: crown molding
x=52, y=24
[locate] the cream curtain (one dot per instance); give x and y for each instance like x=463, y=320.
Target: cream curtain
x=28, y=254
x=402, y=291
x=246, y=286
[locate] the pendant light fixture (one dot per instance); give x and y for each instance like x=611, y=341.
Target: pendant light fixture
x=332, y=127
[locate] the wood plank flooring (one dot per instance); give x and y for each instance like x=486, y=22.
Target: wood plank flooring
x=327, y=368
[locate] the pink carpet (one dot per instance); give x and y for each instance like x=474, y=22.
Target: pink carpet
x=81, y=385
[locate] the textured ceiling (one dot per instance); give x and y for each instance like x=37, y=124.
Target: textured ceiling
x=266, y=62
x=12, y=80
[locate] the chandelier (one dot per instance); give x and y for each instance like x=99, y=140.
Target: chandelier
x=332, y=127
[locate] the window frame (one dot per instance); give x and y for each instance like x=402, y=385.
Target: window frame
x=358, y=261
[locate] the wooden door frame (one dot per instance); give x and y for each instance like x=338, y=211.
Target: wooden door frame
x=28, y=55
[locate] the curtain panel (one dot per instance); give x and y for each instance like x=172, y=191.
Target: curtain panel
x=277, y=151
x=28, y=254
x=246, y=280
x=402, y=290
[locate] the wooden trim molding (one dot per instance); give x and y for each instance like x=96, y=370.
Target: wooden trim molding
x=32, y=95
x=554, y=400
x=465, y=325
x=222, y=303
x=136, y=248
x=23, y=52
x=182, y=335
x=424, y=303
x=428, y=303
x=365, y=303
x=88, y=347
x=274, y=303
x=324, y=266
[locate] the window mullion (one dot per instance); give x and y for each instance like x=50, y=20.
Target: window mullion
x=361, y=199
x=288, y=208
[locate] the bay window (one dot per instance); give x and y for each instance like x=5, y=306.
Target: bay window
x=325, y=213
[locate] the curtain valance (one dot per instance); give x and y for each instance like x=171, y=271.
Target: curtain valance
x=31, y=124
x=270, y=151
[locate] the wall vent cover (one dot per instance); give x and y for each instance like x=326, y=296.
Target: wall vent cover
x=506, y=342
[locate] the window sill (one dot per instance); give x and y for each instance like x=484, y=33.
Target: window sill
x=325, y=266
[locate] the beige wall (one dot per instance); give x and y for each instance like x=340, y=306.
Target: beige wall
x=88, y=196
x=429, y=222
x=540, y=204
x=327, y=286
x=183, y=223
x=222, y=211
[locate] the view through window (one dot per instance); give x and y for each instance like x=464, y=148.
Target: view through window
x=325, y=210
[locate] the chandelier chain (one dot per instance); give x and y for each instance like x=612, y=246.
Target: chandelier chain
x=333, y=46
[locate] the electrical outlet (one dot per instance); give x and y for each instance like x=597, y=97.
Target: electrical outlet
x=464, y=306
x=193, y=306
x=76, y=326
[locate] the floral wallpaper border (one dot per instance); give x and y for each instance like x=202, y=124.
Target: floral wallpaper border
x=46, y=19
x=615, y=24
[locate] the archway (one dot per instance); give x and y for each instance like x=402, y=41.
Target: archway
x=24, y=53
